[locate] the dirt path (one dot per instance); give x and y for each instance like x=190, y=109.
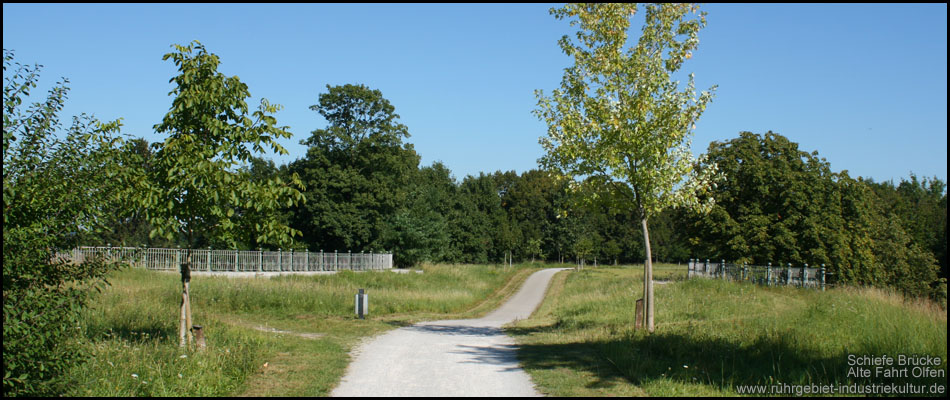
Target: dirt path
x=470, y=357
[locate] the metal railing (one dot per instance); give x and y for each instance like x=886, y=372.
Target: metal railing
x=803, y=276
x=210, y=260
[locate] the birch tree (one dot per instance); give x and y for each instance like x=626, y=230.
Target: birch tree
x=619, y=126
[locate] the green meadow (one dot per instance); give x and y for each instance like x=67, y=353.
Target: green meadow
x=713, y=336
x=281, y=336
x=292, y=335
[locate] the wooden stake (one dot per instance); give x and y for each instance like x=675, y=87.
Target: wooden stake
x=199, y=337
x=184, y=325
x=638, y=324
x=188, y=311
x=182, y=328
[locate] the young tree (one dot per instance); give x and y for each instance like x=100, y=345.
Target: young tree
x=194, y=187
x=619, y=120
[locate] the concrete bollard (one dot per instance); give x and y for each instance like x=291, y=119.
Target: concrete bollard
x=362, y=304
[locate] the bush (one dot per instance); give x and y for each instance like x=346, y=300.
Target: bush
x=56, y=193
x=42, y=301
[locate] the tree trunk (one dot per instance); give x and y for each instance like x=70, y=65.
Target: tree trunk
x=647, y=278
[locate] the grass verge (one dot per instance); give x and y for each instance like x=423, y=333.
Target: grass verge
x=283, y=336
x=713, y=336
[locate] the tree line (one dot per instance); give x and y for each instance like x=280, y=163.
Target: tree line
x=366, y=191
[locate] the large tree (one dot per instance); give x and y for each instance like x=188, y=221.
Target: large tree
x=620, y=120
x=357, y=171
x=195, y=188
x=921, y=205
x=782, y=205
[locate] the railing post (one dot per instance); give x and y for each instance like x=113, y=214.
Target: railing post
x=768, y=275
x=177, y=255
x=804, y=274
x=322, y=261
x=706, y=269
x=788, y=275
x=822, y=277
x=260, y=259
x=723, y=272
x=336, y=259
x=280, y=261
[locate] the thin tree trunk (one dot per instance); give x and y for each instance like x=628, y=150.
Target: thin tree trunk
x=647, y=278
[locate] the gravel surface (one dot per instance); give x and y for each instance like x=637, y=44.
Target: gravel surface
x=458, y=358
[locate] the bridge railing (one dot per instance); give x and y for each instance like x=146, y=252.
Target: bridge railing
x=211, y=260
x=800, y=276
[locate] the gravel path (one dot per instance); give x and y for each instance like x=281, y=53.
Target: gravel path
x=458, y=358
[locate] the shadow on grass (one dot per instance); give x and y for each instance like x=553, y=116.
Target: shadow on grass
x=152, y=333
x=641, y=359
x=397, y=323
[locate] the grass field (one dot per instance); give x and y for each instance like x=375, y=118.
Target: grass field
x=712, y=336
x=284, y=336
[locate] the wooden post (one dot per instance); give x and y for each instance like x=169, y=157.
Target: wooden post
x=822, y=277
x=638, y=324
x=199, y=337
x=185, y=316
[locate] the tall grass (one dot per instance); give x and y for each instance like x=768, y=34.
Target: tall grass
x=713, y=335
x=287, y=335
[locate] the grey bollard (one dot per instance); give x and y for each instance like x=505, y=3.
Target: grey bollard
x=362, y=304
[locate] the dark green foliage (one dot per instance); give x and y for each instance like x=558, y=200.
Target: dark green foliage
x=357, y=172
x=774, y=204
x=128, y=226
x=922, y=208
x=58, y=190
x=193, y=188
x=781, y=205
x=420, y=231
x=480, y=216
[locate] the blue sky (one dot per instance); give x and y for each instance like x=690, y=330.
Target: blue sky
x=864, y=85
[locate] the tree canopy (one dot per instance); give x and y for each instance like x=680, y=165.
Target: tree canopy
x=194, y=188
x=619, y=120
x=779, y=204
x=357, y=171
